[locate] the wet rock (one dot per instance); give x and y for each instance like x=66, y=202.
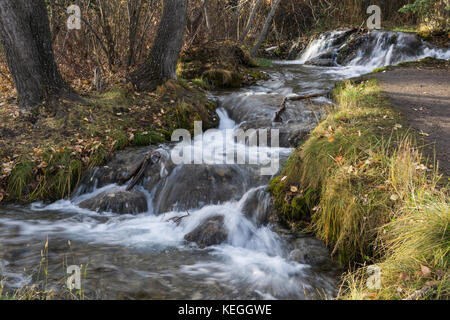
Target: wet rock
x=209, y=233
x=123, y=163
x=349, y=50
x=322, y=62
x=121, y=202
x=193, y=186
x=258, y=206
x=296, y=48
x=311, y=251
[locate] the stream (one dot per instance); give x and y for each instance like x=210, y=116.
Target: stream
x=145, y=255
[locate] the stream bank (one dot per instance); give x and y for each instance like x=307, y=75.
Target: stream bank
x=361, y=184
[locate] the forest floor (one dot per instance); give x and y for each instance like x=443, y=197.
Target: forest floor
x=420, y=92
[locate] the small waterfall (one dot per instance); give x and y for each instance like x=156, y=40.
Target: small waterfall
x=368, y=50
x=320, y=45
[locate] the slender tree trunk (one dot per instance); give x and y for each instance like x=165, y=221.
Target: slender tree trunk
x=25, y=36
x=162, y=62
x=251, y=18
x=134, y=15
x=266, y=27
x=205, y=12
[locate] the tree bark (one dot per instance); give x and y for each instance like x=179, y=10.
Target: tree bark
x=250, y=21
x=135, y=7
x=266, y=27
x=162, y=62
x=25, y=36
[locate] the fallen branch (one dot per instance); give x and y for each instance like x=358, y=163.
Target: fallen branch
x=282, y=108
x=137, y=172
x=177, y=220
x=304, y=97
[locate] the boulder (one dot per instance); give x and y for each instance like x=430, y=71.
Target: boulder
x=311, y=251
x=193, y=186
x=258, y=206
x=120, y=202
x=209, y=233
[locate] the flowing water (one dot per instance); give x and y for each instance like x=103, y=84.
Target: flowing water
x=145, y=256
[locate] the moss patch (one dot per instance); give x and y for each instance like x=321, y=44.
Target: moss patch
x=426, y=62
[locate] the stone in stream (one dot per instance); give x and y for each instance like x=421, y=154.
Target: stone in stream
x=121, y=202
x=322, y=62
x=311, y=251
x=193, y=186
x=258, y=206
x=209, y=233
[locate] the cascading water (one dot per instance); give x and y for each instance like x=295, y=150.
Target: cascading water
x=146, y=255
x=362, y=53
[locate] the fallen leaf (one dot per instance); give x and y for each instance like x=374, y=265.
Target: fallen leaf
x=404, y=276
x=425, y=271
x=371, y=295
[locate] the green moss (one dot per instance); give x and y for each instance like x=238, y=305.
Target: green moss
x=425, y=62
x=121, y=140
x=148, y=138
x=98, y=157
x=202, y=83
x=261, y=62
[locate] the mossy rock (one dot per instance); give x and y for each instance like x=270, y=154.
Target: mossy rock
x=222, y=78
x=190, y=70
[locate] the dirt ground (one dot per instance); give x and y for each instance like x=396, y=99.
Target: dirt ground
x=422, y=95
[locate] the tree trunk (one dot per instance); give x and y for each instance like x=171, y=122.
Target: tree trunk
x=162, y=62
x=265, y=30
x=25, y=36
x=135, y=7
x=250, y=21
